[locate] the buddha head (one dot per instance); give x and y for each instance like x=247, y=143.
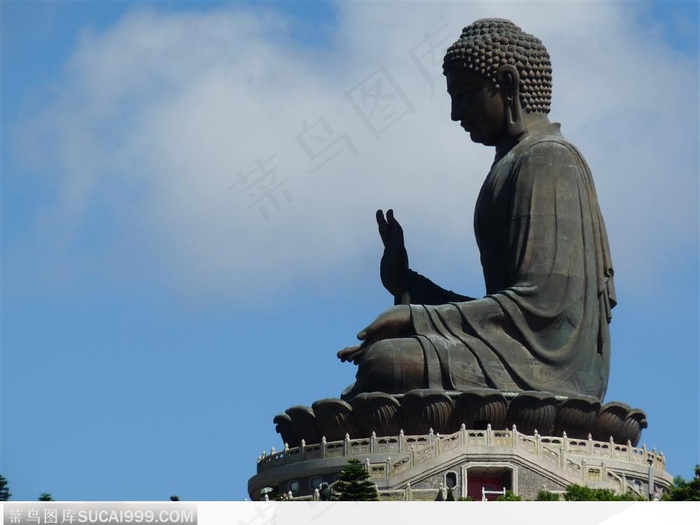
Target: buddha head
x=497, y=76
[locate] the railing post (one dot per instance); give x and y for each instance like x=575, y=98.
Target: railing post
x=408, y=493
x=431, y=437
x=590, y=444
x=387, y=472
x=612, y=447
x=301, y=449
x=402, y=439
x=629, y=451
x=372, y=442
x=562, y=457
x=538, y=445
x=584, y=470
x=323, y=447
x=513, y=435
x=488, y=435
x=346, y=445
x=563, y=448
x=463, y=434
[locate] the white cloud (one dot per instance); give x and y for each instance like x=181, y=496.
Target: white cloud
x=155, y=118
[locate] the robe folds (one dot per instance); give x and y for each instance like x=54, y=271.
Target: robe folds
x=543, y=324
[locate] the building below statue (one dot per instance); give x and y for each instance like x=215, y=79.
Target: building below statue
x=473, y=463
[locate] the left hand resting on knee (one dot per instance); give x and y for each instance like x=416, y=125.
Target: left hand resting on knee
x=392, y=324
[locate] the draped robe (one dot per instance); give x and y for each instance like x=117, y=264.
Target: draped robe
x=543, y=324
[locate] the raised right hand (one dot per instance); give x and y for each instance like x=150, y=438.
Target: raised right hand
x=393, y=268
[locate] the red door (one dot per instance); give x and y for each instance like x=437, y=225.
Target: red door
x=476, y=483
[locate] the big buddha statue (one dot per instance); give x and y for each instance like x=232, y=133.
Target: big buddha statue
x=543, y=323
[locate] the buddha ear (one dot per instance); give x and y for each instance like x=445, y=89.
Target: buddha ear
x=509, y=80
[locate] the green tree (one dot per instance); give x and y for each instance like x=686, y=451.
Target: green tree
x=450, y=494
x=683, y=490
x=45, y=496
x=4, y=489
x=579, y=493
x=354, y=484
x=509, y=497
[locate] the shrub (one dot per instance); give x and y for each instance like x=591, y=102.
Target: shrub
x=545, y=495
x=509, y=497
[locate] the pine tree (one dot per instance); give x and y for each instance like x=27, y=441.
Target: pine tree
x=354, y=484
x=4, y=489
x=45, y=496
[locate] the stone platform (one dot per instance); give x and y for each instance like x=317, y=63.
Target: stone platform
x=415, y=467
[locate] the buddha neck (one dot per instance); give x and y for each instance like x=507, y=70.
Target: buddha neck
x=531, y=123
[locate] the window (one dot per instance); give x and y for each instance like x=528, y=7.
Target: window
x=315, y=482
x=451, y=480
x=293, y=486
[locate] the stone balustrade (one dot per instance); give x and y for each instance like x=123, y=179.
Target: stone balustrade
x=574, y=455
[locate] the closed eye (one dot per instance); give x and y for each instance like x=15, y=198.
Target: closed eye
x=466, y=90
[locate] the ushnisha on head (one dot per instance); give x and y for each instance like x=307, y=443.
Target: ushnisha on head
x=487, y=45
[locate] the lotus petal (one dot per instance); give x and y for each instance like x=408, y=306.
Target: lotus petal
x=375, y=412
x=304, y=424
x=481, y=407
x=610, y=422
x=426, y=409
x=576, y=416
x=334, y=419
x=635, y=422
x=283, y=426
x=532, y=411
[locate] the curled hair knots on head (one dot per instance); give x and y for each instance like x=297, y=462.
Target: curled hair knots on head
x=488, y=44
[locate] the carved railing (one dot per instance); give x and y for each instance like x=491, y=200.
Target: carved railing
x=570, y=454
x=405, y=494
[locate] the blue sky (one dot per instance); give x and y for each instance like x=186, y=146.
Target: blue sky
x=156, y=314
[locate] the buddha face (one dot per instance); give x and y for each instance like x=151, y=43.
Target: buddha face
x=477, y=105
